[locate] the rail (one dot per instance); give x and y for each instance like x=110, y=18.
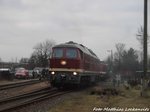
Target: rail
x=18, y=84
x=19, y=101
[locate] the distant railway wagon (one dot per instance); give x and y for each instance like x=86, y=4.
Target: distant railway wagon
x=73, y=63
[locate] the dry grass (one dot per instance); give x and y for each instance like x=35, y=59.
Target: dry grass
x=85, y=102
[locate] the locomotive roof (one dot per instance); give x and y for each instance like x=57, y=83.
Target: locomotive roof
x=79, y=46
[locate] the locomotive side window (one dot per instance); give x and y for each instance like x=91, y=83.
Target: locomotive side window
x=71, y=53
x=58, y=53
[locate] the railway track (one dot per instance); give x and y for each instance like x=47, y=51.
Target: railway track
x=19, y=101
x=18, y=84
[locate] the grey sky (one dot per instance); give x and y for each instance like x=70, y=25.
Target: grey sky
x=97, y=24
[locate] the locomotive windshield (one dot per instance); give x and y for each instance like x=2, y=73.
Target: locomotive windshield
x=71, y=53
x=58, y=53
x=62, y=52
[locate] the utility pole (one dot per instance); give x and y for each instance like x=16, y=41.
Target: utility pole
x=145, y=38
x=145, y=50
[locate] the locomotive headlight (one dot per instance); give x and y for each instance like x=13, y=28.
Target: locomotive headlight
x=63, y=62
x=74, y=73
x=52, y=73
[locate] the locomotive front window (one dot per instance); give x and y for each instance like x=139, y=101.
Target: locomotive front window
x=58, y=53
x=71, y=53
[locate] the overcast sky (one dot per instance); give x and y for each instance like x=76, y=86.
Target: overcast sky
x=97, y=24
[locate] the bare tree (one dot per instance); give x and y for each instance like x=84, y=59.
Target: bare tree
x=24, y=61
x=42, y=52
x=120, y=47
x=139, y=37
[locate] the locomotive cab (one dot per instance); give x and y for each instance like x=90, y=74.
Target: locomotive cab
x=65, y=58
x=65, y=65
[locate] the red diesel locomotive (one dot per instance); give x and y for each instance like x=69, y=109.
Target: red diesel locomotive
x=73, y=63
